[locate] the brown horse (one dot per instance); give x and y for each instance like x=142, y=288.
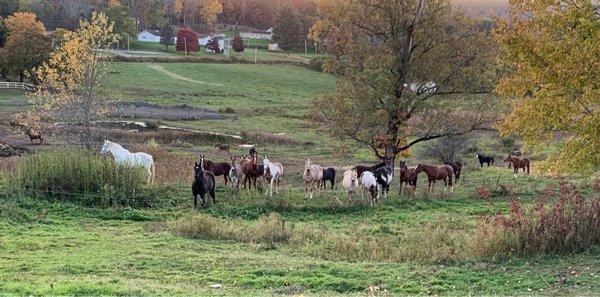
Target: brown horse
x=456, y=167
x=362, y=168
x=218, y=169
x=435, y=173
x=518, y=163
x=407, y=176
x=250, y=170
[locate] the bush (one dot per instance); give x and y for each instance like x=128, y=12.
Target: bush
x=77, y=176
x=568, y=224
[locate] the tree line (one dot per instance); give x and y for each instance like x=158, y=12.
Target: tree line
x=132, y=15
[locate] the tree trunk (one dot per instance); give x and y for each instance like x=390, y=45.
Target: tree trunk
x=21, y=76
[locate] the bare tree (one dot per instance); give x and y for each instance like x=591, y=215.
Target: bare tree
x=444, y=149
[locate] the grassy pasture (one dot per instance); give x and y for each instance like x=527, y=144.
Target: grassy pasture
x=68, y=249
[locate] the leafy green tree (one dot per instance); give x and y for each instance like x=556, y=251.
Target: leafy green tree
x=288, y=30
x=123, y=24
x=167, y=36
x=26, y=45
x=551, y=50
x=410, y=71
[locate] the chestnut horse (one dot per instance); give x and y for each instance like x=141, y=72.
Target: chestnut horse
x=218, y=169
x=435, y=173
x=518, y=163
x=407, y=176
x=250, y=170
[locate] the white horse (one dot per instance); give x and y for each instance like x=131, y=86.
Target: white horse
x=274, y=172
x=127, y=158
x=313, y=174
x=369, y=184
x=350, y=182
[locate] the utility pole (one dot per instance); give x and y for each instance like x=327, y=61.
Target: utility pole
x=255, y=55
x=185, y=45
x=127, y=41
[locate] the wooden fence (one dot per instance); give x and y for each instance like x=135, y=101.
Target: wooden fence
x=17, y=85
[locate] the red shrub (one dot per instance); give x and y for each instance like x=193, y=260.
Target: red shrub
x=559, y=221
x=482, y=192
x=187, y=40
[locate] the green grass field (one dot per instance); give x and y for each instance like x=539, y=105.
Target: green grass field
x=407, y=245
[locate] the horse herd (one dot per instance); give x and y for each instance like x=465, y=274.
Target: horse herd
x=371, y=181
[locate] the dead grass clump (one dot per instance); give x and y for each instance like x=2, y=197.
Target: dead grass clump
x=269, y=229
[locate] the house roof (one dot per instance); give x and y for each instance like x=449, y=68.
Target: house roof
x=153, y=32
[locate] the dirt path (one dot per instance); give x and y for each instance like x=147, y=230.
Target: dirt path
x=161, y=69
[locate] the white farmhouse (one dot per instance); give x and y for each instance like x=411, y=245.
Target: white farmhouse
x=149, y=36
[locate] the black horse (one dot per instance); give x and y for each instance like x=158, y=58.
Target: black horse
x=383, y=176
x=362, y=168
x=328, y=175
x=485, y=159
x=457, y=167
x=204, y=183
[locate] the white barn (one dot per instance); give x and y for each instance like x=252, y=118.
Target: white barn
x=267, y=34
x=149, y=36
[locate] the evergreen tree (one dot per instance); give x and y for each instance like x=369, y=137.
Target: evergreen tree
x=288, y=32
x=167, y=36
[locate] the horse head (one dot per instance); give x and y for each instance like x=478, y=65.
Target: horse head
x=353, y=176
x=105, y=147
x=508, y=158
x=402, y=165
x=198, y=171
x=307, y=163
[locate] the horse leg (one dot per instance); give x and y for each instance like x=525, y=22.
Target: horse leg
x=212, y=193
x=225, y=178
x=271, y=187
x=195, y=200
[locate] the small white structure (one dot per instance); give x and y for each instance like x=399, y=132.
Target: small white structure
x=274, y=47
x=267, y=34
x=149, y=36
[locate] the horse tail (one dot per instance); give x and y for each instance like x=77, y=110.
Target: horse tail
x=493, y=162
x=153, y=169
x=528, y=164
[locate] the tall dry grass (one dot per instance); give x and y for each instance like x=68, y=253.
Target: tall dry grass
x=440, y=240
x=78, y=176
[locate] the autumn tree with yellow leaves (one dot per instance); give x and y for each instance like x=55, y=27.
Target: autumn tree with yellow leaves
x=410, y=71
x=551, y=50
x=70, y=87
x=26, y=45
